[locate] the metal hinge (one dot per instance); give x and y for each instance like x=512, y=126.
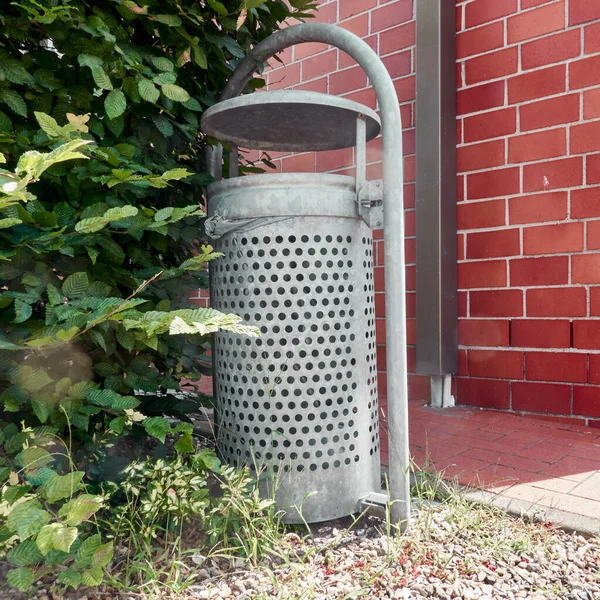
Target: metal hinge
x=370, y=203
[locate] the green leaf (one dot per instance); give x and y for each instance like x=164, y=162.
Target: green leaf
x=62, y=486
x=57, y=536
x=70, y=578
x=48, y=124
x=75, y=285
x=163, y=125
x=32, y=379
x=27, y=518
x=80, y=509
x=250, y=4
x=88, y=547
x=22, y=311
x=103, y=555
x=162, y=63
x=9, y=222
x=101, y=78
x=24, y=554
x=185, y=443
x=5, y=123
x=175, y=93
x=89, y=60
x=199, y=57
x=14, y=101
x=193, y=104
x=218, y=7
x=115, y=104
x=33, y=457
x=157, y=427
x=117, y=425
x=170, y=20
x=92, y=577
x=21, y=578
x=148, y=91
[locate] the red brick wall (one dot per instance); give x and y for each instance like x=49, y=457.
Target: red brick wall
x=528, y=86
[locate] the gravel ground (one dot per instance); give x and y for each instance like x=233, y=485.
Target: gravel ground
x=454, y=551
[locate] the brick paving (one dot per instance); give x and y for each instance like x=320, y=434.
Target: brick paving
x=542, y=461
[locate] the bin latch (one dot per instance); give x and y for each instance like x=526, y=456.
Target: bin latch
x=370, y=203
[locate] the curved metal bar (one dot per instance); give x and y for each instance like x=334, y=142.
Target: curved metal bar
x=393, y=182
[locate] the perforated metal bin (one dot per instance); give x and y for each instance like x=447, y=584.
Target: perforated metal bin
x=301, y=399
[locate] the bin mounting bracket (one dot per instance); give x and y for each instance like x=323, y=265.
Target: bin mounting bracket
x=370, y=202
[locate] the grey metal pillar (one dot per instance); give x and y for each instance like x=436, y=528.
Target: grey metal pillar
x=437, y=353
x=393, y=204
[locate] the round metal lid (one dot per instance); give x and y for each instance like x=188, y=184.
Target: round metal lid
x=286, y=120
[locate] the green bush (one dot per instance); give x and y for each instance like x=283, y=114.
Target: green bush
x=101, y=240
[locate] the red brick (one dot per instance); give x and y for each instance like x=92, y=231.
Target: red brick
x=592, y=162
x=481, y=332
x=306, y=49
x=553, y=174
x=480, y=97
x=460, y=188
x=491, y=124
x=556, y=366
x=492, y=66
x=585, y=203
x=591, y=39
x=406, y=88
x=490, y=244
x=585, y=268
x=299, y=163
x=358, y=25
x=394, y=13
x=284, y=77
x=419, y=387
x=586, y=401
x=593, y=235
x=547, y=113
x=525, y=4
x=490, y=184
x=584, y=72
x=481, y=274
x=585, y=137
x=535, y=146
x=595, y=302
x=484, y=11
x=541, y=397
x=556, y=302
x=463, y=298
x=483, y=392
x=349, y=8
x=463, y=367
x=397, y=38
x=540, y=333
x=551, y=49
x=586, y=334
x=345, y=60
x=591, y=104
x=411, y=331
x=476, y=157
x=497, y=303
x=496, y=364
x=536, y=22
x=320, y=65
x=460, y=246
x=538, y=208
x=410, y=224
x=316, y=85
x=581, y=11
x=334, y=159
x=347, y=80
x=399, y=64
x=410, y=251
x=476, y=215
x=482, y=39
x=553, y=239
x=531, y=272
x=537, y=84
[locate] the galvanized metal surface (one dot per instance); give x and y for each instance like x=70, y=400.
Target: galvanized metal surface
x=437, y=338
x=293, y=121
x=301, y=400
x=393, y=226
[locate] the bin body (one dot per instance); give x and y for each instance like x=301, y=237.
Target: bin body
x=300, y=401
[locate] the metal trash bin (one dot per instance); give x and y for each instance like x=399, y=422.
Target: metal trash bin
x=299, y=404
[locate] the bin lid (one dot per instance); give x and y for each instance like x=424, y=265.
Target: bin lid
x=284, y=120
